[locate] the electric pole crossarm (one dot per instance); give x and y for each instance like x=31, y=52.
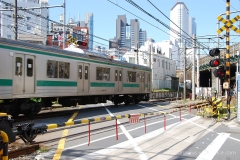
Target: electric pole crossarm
x=32, y=8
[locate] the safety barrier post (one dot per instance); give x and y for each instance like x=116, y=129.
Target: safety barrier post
x=218, y=115
x=190, y=108
x=116, y=130
x=145, y=123
x=164, y=121
x=88, y=133
x=5, y=145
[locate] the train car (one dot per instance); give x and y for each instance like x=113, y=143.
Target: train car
x=33, y=76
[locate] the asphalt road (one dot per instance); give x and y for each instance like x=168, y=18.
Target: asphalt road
x=188, y=137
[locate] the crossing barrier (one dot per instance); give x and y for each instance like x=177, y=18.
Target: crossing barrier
x=110, y=118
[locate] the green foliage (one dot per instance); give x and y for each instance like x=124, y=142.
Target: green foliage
x=36, y=100
x=1, y=101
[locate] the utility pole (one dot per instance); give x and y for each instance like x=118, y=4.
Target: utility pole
x=137, y=53
x=193, y=68
x=227, y=56
x=64, y=22
x=184, y=72
x=15, y=20
x=198, y=76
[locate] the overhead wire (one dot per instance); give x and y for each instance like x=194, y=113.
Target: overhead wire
x=173, y=30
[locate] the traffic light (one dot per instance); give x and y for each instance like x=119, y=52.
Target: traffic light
x=81, y=43
x=214, y=62
x=220, y=73
x=214, y=52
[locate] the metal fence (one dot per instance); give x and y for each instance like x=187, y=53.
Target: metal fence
x=162, y=83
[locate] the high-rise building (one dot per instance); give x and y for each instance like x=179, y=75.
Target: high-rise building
x=129, y=35
x=134, y=23
x=121, y=24
x=30, y=27
x=142, y=37
x=183, y=27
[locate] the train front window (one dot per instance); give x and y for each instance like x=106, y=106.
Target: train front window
x=18, y=66
x=29, y=67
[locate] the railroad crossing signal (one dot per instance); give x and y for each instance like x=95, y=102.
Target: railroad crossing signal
x=72, y=40
x=220, y=73
x=228, y=24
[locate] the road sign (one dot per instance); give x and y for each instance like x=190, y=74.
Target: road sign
x=134, y=118
x=228, y=24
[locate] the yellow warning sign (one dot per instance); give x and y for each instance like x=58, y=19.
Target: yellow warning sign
x=228, y=24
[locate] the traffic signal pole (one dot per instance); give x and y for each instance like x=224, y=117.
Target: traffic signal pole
x=227, y=56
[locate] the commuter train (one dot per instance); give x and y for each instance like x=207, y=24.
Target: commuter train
x=33, y=76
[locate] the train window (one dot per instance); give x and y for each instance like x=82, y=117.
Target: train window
x=80, y=71
x=106, y=74
x=131, y=76
x=64, y=70
x=29, y=67
x=116, y=75
x=86, y=72
x=18, y=66
x=99, y=73
x=120, y=75
x=52, y=69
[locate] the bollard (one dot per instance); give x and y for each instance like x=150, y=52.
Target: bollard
x=88, y=133
x=116, y=130
x=5, y=145
x=190, y=108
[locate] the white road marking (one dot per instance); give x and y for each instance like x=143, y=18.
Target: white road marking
x=142, y=155
x=212, y=149
x=101, y=153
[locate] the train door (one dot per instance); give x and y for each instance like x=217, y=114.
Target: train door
x=24, y=74
x=118, y=80
x=142, y=81
x=83, y=78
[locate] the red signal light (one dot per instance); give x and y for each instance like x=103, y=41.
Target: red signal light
x=220, y=73
x=81, y=43
x=214, y=63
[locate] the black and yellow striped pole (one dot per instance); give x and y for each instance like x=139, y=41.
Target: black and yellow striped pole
x=227, y=62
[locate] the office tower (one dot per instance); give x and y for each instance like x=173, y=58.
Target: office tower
x=184, y=26
x=121, y=24
x=142, y=37
x=134, y=23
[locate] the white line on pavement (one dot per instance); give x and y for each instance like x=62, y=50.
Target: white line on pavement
x=101, y=153
x=212, y=149
x=142, y=155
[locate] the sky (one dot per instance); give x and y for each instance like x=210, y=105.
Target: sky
x=105, y=14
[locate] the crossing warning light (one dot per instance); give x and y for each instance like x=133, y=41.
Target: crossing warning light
x=220, y=73
x=214, y=63
x=81, y=43
x=214, y=52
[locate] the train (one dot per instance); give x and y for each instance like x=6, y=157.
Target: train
x=34, y=76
